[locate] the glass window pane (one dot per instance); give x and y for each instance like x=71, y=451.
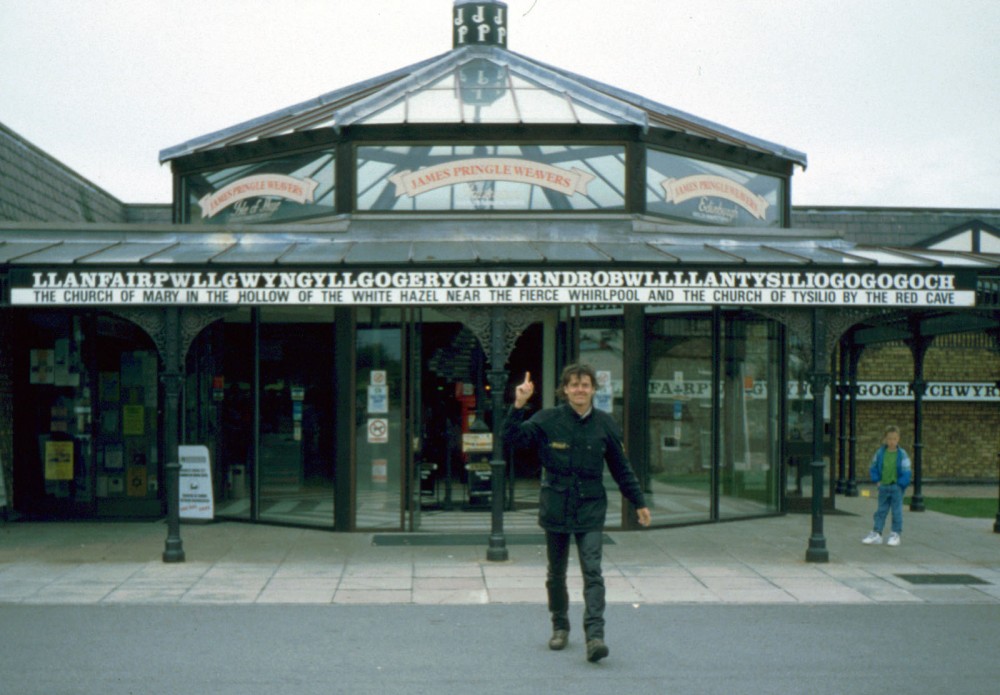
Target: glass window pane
x=276, y=190
x=680, y=418
x=693, y=190
x=378, y=439
x=751, y=400
x=491, y=178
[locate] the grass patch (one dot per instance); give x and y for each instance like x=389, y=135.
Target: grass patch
x=967, y=507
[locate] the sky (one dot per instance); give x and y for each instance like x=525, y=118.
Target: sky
x=893, y=101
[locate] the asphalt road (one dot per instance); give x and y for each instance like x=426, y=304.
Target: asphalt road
x=744, y=649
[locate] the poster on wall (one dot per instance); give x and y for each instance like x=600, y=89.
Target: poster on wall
x=58, y=460
x=42, y=367
x=136, y=481
x=133, y=418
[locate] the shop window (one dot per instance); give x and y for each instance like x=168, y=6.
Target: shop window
x=491, y=178
x=54, y=462
x=125, y=432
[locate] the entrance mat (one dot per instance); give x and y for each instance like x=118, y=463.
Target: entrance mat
x=940, y=579
x=388, y=539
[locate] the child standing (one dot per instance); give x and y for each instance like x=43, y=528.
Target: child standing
x=891, y=469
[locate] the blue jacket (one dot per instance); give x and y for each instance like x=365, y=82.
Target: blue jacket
x=904, y=469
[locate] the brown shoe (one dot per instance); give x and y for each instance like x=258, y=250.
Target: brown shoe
x=596, y=650
x=559, y=639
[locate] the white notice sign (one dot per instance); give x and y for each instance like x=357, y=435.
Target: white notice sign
x=196, y=498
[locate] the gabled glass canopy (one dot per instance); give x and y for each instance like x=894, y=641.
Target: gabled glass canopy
x=481, y=90
x=477, y=85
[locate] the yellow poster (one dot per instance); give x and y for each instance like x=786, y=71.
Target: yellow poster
x=133, y=417
x=59, y=460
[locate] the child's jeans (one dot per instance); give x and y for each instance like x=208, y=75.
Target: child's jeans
x=889, y=496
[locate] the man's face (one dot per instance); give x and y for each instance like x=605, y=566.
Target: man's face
x=579, y=392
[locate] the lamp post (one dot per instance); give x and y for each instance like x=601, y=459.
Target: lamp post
x=173, y=549
x=817, y=551
x=996, y=523
x=172, y=379
x=497, y=550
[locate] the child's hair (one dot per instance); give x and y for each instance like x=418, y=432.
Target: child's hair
x=889, y=429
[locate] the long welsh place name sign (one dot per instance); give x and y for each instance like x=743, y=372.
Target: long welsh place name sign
x=490, y=287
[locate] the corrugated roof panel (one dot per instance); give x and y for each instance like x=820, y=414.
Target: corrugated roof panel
x=190, y=253
x=696, y=254
x=63, y=253
x=635, y=252
x=888, y=257
x=498, y=251
x=444, y=252
x=305, y=252
x=569, y=252
x=11, y=250
x=952, y=260
x=380, y=253
x=254, y=252
x=128, y=252
x=758, y=254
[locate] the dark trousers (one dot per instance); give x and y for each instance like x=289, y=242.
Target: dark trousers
x=589, y=548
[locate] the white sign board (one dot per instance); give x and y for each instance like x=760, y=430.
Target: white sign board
x=378, y=399
x=878, y=288
x=196, y=498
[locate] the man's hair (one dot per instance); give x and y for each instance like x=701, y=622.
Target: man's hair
x=578, y=370
x=889, y=429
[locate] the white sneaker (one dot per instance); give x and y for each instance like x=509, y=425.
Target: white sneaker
x=894, y=539
x=872, y=539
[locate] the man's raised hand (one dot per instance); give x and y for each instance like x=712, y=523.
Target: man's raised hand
x=524, y=391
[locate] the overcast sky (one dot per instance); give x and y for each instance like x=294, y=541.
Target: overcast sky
x=893, y=101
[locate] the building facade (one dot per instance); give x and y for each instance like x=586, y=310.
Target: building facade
x=347, y=287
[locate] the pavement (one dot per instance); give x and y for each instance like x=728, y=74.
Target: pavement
x=942, y=560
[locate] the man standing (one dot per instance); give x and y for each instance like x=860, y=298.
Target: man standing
x=573, y=441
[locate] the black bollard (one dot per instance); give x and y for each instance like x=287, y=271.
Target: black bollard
x=817, y=551
x=173, y=549
x=497, y=549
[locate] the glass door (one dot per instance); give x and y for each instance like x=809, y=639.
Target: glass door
x=295, y=462
x=679, y=353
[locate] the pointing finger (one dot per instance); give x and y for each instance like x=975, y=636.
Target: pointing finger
x=527, y=377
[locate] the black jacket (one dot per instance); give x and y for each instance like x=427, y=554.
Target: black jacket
x=573, y=451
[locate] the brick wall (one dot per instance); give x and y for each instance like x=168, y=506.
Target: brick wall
x=961, y=439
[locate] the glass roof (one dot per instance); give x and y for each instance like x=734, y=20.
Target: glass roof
x=483, y=91
x=476, y=84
